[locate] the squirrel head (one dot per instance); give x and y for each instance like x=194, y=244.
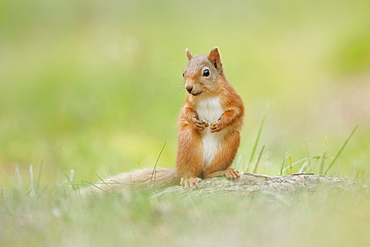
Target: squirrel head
x=204, y=74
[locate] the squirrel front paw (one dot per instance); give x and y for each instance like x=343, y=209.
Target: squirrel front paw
x=199, y=124
x=216, y=127
x=190, y=183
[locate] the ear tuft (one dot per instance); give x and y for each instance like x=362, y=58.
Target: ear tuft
x=214, y=54
x=188, y=54
x=215, y=58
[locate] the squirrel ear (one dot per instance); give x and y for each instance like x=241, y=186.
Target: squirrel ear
x=215, y=58
x=188, y=54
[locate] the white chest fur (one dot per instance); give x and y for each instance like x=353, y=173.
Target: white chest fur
x=210, y=110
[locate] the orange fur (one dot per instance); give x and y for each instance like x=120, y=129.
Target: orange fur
x=209, y=125
x=203, y=88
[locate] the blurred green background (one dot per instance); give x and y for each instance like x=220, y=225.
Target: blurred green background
x=96, y=86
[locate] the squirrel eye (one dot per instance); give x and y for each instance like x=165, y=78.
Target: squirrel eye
x=183, y=74
x=206, y=72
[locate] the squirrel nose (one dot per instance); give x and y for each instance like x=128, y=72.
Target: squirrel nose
x=189, y=89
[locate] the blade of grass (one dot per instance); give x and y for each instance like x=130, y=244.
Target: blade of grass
x=282, y=165
x=360, y=175
x=292, y=164
x=341, y=150
x=94, y=185
x=39, y=175
x=322, y=162
x=18, y=178
x=238, y=162
x=32, y=181
x=71, y=176
x=303, y=167
x=103, y=181
x=156, y=163
x=308, y=154
x=67, y=180
x=139, y=164
x=323, y=156
x=259, y=158
x=259, y=134
x=313, y=160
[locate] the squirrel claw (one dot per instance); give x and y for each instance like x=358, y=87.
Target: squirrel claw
x=201, y=125
x=190, y=183
x=215, y=127
x=232, y=174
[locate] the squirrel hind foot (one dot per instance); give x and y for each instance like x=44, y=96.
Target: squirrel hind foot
x=232, y=174
x=190, y=183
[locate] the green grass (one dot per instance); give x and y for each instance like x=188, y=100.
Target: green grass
x=341, y=150
x=89, y=89
x=59, y=217
x=257, y=141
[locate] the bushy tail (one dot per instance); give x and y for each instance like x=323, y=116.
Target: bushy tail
x=139, y=179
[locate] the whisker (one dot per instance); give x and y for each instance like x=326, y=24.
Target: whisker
x=174, y=77
x=178, y=65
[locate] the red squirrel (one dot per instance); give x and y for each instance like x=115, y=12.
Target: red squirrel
x=210, y=121
x=209, y=129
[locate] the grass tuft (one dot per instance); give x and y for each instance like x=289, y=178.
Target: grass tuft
x=341, y=150
x=259, y=134
x=259, y=158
